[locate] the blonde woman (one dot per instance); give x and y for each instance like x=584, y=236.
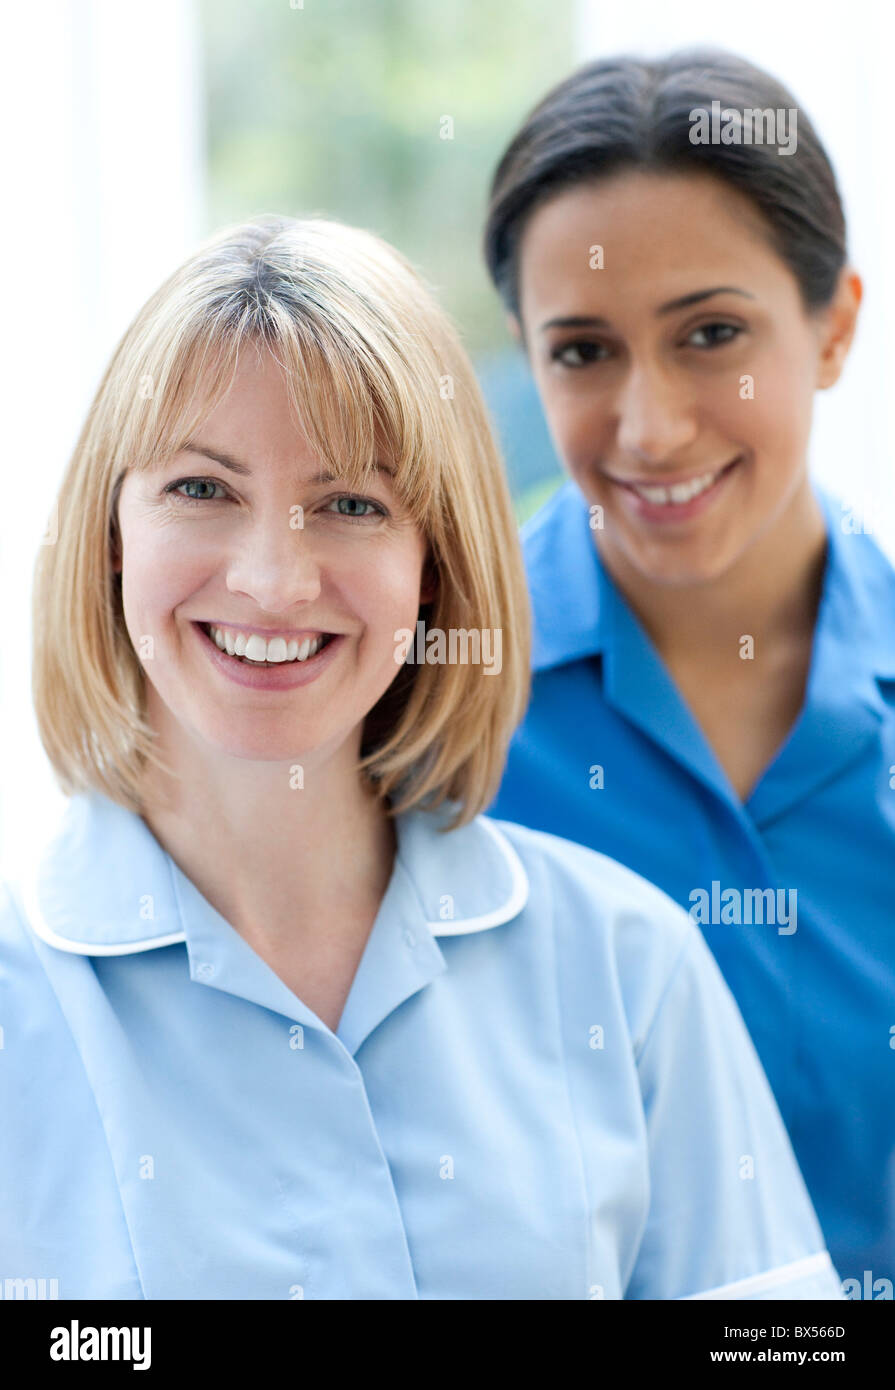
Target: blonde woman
x=285, y=1016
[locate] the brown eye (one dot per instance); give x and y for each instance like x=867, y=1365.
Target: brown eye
x=586, y=353
x=730, y=328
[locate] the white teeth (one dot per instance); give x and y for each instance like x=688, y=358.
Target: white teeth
x=680, y=492
x=256, y=648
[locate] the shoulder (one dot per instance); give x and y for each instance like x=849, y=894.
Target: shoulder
x=35, y=979
x=24, y=981
x=866, y=569
x=568, y=869
x=876, y=575
x=17, y=951
x=609, y=923
x=563, y=513
x=29, y=1007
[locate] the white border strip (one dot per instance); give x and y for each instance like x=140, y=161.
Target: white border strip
x=39, y=926
x=770, y=1279
x=514, y=904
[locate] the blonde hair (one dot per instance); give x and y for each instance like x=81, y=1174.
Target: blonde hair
x=372, y=364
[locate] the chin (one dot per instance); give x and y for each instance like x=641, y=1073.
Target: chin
x=256, y=746
x=683, y=570
x=269, y=753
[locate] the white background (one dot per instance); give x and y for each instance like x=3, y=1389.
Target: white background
x=103, y=170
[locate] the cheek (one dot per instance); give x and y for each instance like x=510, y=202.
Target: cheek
x=396, y=600
x=576, y=423
x=385, y=590
x=775, y=421
x=156, y=578
x=779, y=418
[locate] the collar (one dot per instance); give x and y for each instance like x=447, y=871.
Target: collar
x=104, y=886
x=565, y=580
x=579, y=612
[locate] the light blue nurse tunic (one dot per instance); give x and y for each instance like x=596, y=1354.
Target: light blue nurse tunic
x=540, y=1088
x=609, y=755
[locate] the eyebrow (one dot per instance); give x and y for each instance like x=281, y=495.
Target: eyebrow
x=590, y=321
x=192, y=446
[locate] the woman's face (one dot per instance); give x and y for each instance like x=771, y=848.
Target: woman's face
x=238, y=559
x=644, y=394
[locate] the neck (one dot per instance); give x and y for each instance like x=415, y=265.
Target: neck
x=282, y=864
x=771, y=592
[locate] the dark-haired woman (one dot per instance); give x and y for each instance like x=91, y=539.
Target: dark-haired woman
x=714, y=687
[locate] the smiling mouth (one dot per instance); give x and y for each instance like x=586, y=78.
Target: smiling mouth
x=282, y=654
x=677, y=494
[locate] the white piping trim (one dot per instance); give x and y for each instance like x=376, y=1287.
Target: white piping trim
x=770, y=1279
x=39, y=926
x=514, y=904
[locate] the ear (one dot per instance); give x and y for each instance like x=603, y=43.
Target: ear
x=839, y=325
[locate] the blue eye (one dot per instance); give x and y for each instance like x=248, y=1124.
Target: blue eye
x=172, y=488
x=348, y=505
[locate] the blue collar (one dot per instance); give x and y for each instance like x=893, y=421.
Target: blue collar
x=579, y=613
x=577, y=606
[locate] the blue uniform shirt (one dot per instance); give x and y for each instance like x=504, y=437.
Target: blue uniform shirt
x=610, y=755
x=540, y=1088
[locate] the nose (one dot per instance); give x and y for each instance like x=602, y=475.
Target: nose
x=276, y=566
x=655, y=415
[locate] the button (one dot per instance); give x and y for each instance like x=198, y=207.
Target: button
x=204, y=971
x=409, y=938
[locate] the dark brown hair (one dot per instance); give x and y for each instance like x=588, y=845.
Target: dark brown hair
x=627, y=113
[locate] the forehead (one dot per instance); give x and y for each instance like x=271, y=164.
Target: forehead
x=256, y=423
x=256, y=407
x=660, y=234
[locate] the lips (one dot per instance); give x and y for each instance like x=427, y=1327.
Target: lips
x=677, y=493
x=675, y=502
x=271, y=676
